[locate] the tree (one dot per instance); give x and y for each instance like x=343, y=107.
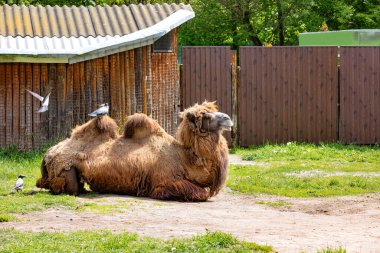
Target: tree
x=255, y=22
x=210, y=26
x=366, y=14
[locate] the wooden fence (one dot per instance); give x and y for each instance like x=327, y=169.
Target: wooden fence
x=360, y=95
x=209, y=73
x=207, y=76
x=282, y=93
x=290, y=93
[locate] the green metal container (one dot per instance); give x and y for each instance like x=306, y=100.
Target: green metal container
x=361, y=37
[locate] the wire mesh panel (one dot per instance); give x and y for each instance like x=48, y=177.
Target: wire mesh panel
x=124, y=80
x=165, y=87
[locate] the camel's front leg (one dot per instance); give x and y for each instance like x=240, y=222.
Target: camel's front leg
x=181, y=190
x=67, y=182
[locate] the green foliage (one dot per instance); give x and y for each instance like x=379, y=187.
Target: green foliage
x=254, y=22
x=279, y=22
x=49, y=2
x=105, y=241
x=209, y=27
x=307, y=170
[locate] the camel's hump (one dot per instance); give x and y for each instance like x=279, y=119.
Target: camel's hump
x=139, y=126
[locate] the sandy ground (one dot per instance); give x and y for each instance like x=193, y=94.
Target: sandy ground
x=304, y=225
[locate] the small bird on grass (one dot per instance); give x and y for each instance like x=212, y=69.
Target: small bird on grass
x=19, y=185
x=44, y=101
x=102, y=110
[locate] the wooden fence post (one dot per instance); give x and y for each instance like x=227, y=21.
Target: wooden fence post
x=234, y=80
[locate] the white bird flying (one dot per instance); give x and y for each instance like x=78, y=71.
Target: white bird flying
x=102, y=110
x=44, y=101
x=19, y=185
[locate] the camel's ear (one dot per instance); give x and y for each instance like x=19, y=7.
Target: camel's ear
x=211, y=105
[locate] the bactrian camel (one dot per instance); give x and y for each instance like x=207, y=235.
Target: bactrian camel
x=144, y=160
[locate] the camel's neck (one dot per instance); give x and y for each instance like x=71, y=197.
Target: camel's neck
x=204, y=145
x=205, y=154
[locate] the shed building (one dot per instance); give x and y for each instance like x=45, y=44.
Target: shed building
x=86, y=56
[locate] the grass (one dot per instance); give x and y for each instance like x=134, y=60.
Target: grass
x=307, y=170
x=14, y=163
x=105, y=241
x=284, y=170
x=274, y=203
x=103, y=208
x=7, y=218
x=293, y=151
x=288, y=170
x=331, y=250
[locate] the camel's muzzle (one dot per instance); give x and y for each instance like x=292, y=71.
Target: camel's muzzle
x=224, y=120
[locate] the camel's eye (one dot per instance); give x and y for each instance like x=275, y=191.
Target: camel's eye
x=190, y=117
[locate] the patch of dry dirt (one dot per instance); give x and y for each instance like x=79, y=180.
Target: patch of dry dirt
x=306, y=225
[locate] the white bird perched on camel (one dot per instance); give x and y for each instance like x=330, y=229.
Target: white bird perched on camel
x=19, y=185
x=102, y=110
x=44, y=101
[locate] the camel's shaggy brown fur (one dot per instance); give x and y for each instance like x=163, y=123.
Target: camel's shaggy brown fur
x=145, y=160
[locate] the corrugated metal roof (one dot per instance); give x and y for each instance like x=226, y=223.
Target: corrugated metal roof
x=74, y=49
x=56, y=21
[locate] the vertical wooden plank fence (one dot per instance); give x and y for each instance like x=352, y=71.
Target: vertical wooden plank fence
x=287, y=94
x=206, y=75
x=360, y=95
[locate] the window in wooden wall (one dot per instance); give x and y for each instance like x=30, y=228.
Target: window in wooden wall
x=164, y=44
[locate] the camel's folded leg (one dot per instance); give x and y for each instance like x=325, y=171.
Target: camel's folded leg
x=43, y=182
x=181, y=190
x=67, y=182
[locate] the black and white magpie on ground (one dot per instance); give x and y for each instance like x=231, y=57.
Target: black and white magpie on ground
x=19, y=185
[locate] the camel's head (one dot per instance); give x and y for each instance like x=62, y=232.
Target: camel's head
x=205, y=118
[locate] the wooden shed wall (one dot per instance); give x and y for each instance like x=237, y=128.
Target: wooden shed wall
x=124, y=80
x=165, y=88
